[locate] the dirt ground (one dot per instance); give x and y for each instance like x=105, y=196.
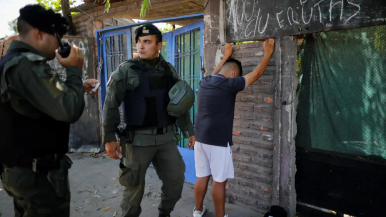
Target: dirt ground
x=96, y=192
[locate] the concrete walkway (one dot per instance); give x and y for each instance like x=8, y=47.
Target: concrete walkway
x=94, y=188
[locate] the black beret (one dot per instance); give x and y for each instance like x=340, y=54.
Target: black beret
x=147, y=29
x=44, y=20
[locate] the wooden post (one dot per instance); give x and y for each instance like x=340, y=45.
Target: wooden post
x=67, y=14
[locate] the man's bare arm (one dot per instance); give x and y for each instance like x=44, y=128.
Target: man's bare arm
x=258, y=71
x=228, y=53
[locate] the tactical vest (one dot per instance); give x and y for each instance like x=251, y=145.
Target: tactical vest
x=145, y=107
x=22, y=139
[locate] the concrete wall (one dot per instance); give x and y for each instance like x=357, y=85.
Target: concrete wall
x=85, y=135
x=264, y=124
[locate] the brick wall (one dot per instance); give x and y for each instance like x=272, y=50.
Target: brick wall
x=1, y=46
x=253, y=131
x=5, y=42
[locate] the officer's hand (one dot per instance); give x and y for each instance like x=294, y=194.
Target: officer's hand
x=89, y=84
x=192, y=140
x=74, y=59
x=112, y=148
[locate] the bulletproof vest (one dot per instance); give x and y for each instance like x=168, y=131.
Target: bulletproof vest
x=145, y=107
x=22, y=139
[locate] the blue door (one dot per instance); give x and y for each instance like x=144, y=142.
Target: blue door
x=183, y=48
x=114, y=47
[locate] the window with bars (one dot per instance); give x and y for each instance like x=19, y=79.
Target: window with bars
x=187, y=60
x=116, y=53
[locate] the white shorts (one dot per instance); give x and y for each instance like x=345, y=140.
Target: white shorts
x=213, y=160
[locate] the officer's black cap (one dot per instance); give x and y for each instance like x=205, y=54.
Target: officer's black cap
x=44, y=20
x=147, y=29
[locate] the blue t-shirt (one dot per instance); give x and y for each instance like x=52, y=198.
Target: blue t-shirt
x=216, y=108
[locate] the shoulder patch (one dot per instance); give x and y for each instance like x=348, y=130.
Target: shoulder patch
x=33, y=57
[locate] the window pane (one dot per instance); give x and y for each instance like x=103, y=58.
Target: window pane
x=188, y=64
x=197, y=58
x=164, y=51
x=116, y=53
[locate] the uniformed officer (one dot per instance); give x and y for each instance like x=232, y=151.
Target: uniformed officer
x=36, y=110
x=142, y=84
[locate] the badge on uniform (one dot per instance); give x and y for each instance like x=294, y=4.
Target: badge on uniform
x=144, y=30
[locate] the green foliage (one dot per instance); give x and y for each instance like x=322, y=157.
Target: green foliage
x=54, y=5
x=12, y=25
x=145, y=7
x=168, y=28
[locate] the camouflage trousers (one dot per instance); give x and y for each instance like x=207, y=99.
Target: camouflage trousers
x=40, y=194
x=170, y=168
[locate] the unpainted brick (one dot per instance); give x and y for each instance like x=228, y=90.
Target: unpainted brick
x=255, y=194
x=247, y=115
x=248, y=54
x=86, y=17
x=265, y=79
x=242, y=158
x=242, y=106
x=121, y=8
x=237, y=55
x=267, y=89
x=247, y=90
x=261, y=144
x=267, y=108
x=99, y=13
x=253, y=177
x=261, y=127
x=264, y=188
x=236, y=132
x=253, y=133
x=256, y=153
x=251, y=98
x=241, y=123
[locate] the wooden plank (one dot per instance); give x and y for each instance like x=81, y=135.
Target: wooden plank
x=252, y=19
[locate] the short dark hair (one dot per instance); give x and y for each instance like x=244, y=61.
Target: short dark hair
x=238, y=63
x=158, y=38
x=23, y=27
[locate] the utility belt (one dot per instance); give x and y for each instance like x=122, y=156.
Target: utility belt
x=125, y=135
x=41, y=164
x=155, y=131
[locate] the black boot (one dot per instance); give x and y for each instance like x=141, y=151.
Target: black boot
x=163, y=215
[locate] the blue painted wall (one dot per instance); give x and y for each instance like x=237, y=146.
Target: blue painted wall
x=188, y=156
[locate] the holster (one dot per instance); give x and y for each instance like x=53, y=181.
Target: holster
x=59, y=177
